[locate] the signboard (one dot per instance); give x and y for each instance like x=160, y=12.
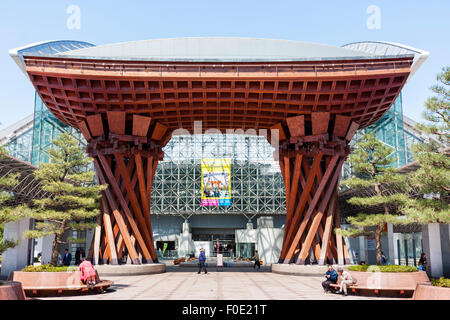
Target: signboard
x=371, y=244
x=216, y=182
x=220, y=260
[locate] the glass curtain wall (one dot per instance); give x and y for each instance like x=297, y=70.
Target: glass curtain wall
x=256, y=182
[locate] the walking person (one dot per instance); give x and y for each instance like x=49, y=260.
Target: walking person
x=346, y=280
x=331, y=278
x=256, y=258
x=423, y=262
x=201, y=261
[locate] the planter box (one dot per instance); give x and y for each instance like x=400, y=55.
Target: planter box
x=425, y=291
x=11, y=290
x=55, y=283
x=47, y=280
x=393, y=284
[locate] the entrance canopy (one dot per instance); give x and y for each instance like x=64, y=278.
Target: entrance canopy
x=128, y=99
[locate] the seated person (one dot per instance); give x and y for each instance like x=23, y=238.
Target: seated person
x=88, y=273
x=346, y=280
x=331, y=277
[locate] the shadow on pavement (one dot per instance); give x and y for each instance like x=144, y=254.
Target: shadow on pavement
x=177, y=268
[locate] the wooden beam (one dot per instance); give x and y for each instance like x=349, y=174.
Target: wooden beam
x=109, y=232
x=140, y=125
x=341, y=124
x=320, y=211
x=339, y=239
x=320, y=122
x=113, y=184
x=142, y=189
x=300, y=206
x=351, y=131
x=296, y=126
x=116, y=122
x=95, y=124
x=328, y=230
x=159, y=131
x=317, y=195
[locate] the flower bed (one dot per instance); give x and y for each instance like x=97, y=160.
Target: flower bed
x=48, y=268
x=441, y=282
x=375, y=268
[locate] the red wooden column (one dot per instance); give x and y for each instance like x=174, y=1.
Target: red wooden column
x=312, y=152
x=126, y=150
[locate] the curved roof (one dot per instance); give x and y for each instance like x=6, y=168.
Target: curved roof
x=383, y=48
x=217, y=49
x=45, y=48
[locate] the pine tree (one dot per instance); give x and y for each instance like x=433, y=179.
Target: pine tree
x=371, y=162
x=433, y=176
x=73, y=200
x=8, y=211
x=437, y=113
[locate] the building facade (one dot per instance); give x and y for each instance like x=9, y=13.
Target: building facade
x=258, y=208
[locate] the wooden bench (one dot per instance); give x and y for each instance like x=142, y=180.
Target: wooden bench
x=355, y=289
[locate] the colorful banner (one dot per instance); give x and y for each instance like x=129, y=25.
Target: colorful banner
x=216, y=182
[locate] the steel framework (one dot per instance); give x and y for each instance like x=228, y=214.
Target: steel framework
x=256, y=183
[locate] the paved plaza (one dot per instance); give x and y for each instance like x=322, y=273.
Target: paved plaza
x=231, y=284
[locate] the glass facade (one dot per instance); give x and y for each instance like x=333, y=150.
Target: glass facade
x=256, y=182
x=47, y=127
x=391, y=131
x=20, y=146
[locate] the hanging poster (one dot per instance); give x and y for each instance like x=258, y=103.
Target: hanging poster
x=216, y=186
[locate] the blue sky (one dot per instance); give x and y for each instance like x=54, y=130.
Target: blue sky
x=420, y=24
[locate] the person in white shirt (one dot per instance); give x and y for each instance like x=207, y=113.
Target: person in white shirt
x=346, y=280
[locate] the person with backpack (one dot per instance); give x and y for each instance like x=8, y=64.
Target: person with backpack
x=201, y=261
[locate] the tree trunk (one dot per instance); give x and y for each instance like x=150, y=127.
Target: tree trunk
x=56, y=242
x=55, y=252
x=378, y=231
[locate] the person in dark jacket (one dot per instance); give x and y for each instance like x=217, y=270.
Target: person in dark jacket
x=256, y=258
x=201, y=261
x=423, y=262
x=77, y=256
x=331, y=277
x=67, y=259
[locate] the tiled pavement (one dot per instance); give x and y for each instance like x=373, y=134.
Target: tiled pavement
x=230, y=284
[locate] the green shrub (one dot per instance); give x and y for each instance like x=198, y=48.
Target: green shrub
x=441, y=282
x=375, y=268
x=48, y=268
